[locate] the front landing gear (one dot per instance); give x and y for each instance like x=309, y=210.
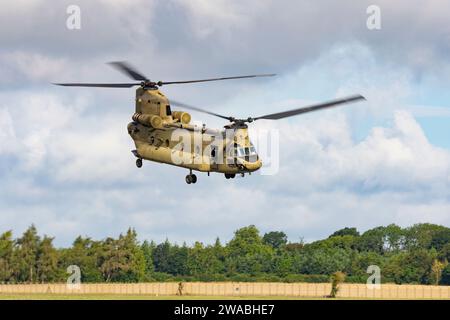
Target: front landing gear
x=139, y=162
x=191, y=178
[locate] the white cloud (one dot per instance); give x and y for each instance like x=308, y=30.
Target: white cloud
x=69, y=152
x=389, y=158
x=21, y=66
x=211, y=17
x=7, y=134
x=32, y=121
x=326, y=181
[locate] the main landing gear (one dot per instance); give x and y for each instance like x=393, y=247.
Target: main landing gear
x=191, y=178
x=229, y=175
x=138, y=160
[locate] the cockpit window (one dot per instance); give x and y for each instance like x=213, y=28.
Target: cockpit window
x=245, y=151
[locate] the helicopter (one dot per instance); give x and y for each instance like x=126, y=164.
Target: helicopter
x=157, y=130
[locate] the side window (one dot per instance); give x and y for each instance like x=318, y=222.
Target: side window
x=168, y=111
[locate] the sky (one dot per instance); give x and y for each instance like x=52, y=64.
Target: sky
x=65, y=160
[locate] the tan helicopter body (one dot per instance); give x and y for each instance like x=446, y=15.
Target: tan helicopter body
x=156, y=129
x=154, y=124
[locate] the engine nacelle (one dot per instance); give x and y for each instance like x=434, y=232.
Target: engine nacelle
x=148, y=120
x=181, y=116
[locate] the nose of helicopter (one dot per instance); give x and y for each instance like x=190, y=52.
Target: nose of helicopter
x=252, y=166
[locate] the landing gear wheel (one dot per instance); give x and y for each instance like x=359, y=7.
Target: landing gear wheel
x=229, y=175
x=139, y=162
x=191, y=178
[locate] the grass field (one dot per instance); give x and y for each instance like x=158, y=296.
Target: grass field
x=47, y=296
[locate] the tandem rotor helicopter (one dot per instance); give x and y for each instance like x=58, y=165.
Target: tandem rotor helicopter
x=154, y=123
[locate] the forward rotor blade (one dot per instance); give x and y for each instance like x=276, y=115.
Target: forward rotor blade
x=125, y=68
x=186, y=106
x=160, y=83
x=99, y=85
x=294, y=112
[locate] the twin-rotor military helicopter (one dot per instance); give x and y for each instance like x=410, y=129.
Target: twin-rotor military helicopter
x=154, y=124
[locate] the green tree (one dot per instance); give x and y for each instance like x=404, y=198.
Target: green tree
x=420, y=236
x=86, y=254
x=47, y=261
x=282, y=263
x=444, y=253
x=440, y=239
x=6, y=256
x=247, y=253
x=409, y=267
x=161, y=257
x=324, y=261
x=219, y=251
x=123, y=259
x=362, y=260
x=347, y=242
x=405, y=256
x=178, y=260
x=382, y=239
x=246, y=241
x=275, y=239
x=372, y=240
x=446, y=275
x=203, y=261
x=436, y=270
x=135, y=259
x=346, y=232
x=25, y=255
x=147, y=250
x=393, y=238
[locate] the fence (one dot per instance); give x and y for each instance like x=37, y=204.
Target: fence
x=253, y=289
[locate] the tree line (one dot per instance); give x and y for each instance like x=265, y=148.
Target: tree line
x=417, y=254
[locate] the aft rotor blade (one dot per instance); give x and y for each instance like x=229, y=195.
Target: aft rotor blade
x=160, y=83
x=294, y=112
x=186, y=106
x=125, y=68
x=99, y=85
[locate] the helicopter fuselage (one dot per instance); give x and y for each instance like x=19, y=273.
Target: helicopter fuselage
x=164, y=136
